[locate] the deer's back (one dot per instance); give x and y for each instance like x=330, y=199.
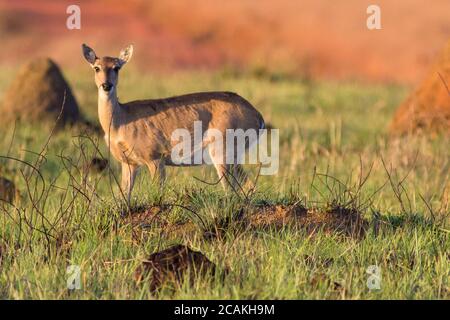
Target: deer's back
x=147, y=125
x=216, y=109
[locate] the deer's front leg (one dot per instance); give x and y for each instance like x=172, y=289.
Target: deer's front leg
x=157, y=171
x=129, y=172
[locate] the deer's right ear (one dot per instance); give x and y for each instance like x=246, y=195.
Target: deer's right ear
x=125, y=55
x=89, y=54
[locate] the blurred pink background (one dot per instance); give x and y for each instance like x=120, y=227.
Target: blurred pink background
x=328, y=39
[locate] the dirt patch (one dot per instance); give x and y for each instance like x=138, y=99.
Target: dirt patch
x=346, y=221
x=37, y=94
x=170, y=266
x=148, y=216
x=154, y=218
x=428, y=107
x=275, y=215
x=339, y=220
x=335, y=220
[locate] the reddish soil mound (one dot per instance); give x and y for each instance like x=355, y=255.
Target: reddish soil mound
x=428, y=107
x=171, y=265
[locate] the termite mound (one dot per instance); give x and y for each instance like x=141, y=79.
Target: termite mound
x=427, y=108
x=40, y=94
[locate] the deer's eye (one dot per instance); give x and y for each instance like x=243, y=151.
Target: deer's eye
x=96, y=69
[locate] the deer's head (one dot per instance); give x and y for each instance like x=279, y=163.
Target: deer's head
x=106, y=69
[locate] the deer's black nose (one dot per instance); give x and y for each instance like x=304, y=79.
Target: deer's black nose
x=106, y=86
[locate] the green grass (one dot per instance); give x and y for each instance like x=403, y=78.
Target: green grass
x=335, y=129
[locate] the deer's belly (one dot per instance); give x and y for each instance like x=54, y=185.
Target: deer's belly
x=137, y=153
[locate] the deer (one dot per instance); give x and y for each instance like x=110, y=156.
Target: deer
x=138, y=133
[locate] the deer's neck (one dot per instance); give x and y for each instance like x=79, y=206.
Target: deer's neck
x=108, y=109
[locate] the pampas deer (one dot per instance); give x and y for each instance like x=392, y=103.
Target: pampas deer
x=138, y=133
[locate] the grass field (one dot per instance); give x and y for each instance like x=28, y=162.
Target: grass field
x=334, y=153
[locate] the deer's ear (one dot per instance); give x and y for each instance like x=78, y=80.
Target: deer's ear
x=125, y=54
x=89, y=54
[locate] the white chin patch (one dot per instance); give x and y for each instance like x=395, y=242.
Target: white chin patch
x=104, y=93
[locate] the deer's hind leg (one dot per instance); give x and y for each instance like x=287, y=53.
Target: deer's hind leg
x=223, y=172
x=231, y=175
x=239, y=176
x=217, y=158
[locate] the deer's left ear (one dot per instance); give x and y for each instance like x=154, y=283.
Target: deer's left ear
x=125, y=54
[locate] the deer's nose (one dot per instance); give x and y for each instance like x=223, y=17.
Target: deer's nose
x=106, y=86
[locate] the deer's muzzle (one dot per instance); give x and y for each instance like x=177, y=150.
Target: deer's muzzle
x=106, y=86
